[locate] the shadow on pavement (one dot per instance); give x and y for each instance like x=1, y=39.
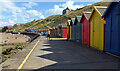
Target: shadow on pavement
x=71, y=55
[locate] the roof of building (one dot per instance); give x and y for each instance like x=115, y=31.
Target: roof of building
x=77, y=19
x=85, y=14
x=68, y=22
x=72, y=21
x=99, y=9
x=110, y=5
x=66, y=9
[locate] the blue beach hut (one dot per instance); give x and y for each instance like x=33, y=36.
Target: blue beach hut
x=112, y=31
x=72, y=29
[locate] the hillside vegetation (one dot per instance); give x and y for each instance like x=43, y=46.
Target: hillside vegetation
x=54, y=20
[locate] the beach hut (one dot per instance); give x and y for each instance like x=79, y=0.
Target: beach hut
x=51, y=32
x=64, y=30
x=69, y=30
x=97, y=25
x=112, y=31
x=56, y=31
x=72, y=29
x=78, y=29
x=85, y=28
x=60, y=31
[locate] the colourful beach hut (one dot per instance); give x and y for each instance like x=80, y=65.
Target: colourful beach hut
x=69, y=30
x=112, y=31
x=64, y=30
x=72, y=29
x=78, y=29
x=60, y=31
x=85, y=28
x=56, y=31
x=97, y=24
x=51, y=32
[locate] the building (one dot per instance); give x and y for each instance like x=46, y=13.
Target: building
x=112, y=28
x=85, y=28
x=65, y=11
x=64, y=30
x=60, y=30
x=78, y=29
x=97, y=24
x=6, y=28
x=17, y=24
x=69, y=30
x=72, y=29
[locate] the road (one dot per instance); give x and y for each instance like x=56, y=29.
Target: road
x=58, y=53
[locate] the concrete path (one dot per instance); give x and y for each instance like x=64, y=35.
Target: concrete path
x=61, y=54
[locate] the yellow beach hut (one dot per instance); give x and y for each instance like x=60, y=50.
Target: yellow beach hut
x=97, y=30
x=69, y=30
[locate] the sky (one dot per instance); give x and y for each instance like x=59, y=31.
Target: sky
x=12, y=12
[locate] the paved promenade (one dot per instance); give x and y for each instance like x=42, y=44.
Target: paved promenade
x=59, y=54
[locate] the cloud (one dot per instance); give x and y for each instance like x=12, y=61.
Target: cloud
x=56, y=10
x=3, y=23
x=71, y=5
x=33, y=13
x=8, y=6
x=11, y=21
x=24, y=20
x=89, y=4
x=13, y=14
x=59, y=8
x=30, y=4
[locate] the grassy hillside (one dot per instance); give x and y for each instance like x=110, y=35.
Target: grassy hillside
x=54, y=20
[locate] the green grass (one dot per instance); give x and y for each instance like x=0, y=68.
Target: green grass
x=11, y=51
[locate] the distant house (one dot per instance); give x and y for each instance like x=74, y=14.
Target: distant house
x=6, y=28
x=17, y=24
x=67, y=10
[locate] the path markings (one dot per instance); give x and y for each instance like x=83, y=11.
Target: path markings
x=27, y=56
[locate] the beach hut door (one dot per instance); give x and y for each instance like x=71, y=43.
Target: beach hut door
x=96, y=33
x=114, y=37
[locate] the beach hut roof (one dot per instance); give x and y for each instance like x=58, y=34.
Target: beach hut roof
x=85, y=14
x=109, y=7
x=59, y=24
x=72, y=21
x=64, y=26
x=68, y=22
x=53, y=27
x=77, y=19
x=99, y=9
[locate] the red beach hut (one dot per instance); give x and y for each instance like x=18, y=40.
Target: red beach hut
x=85, y=28
x=64, y=31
